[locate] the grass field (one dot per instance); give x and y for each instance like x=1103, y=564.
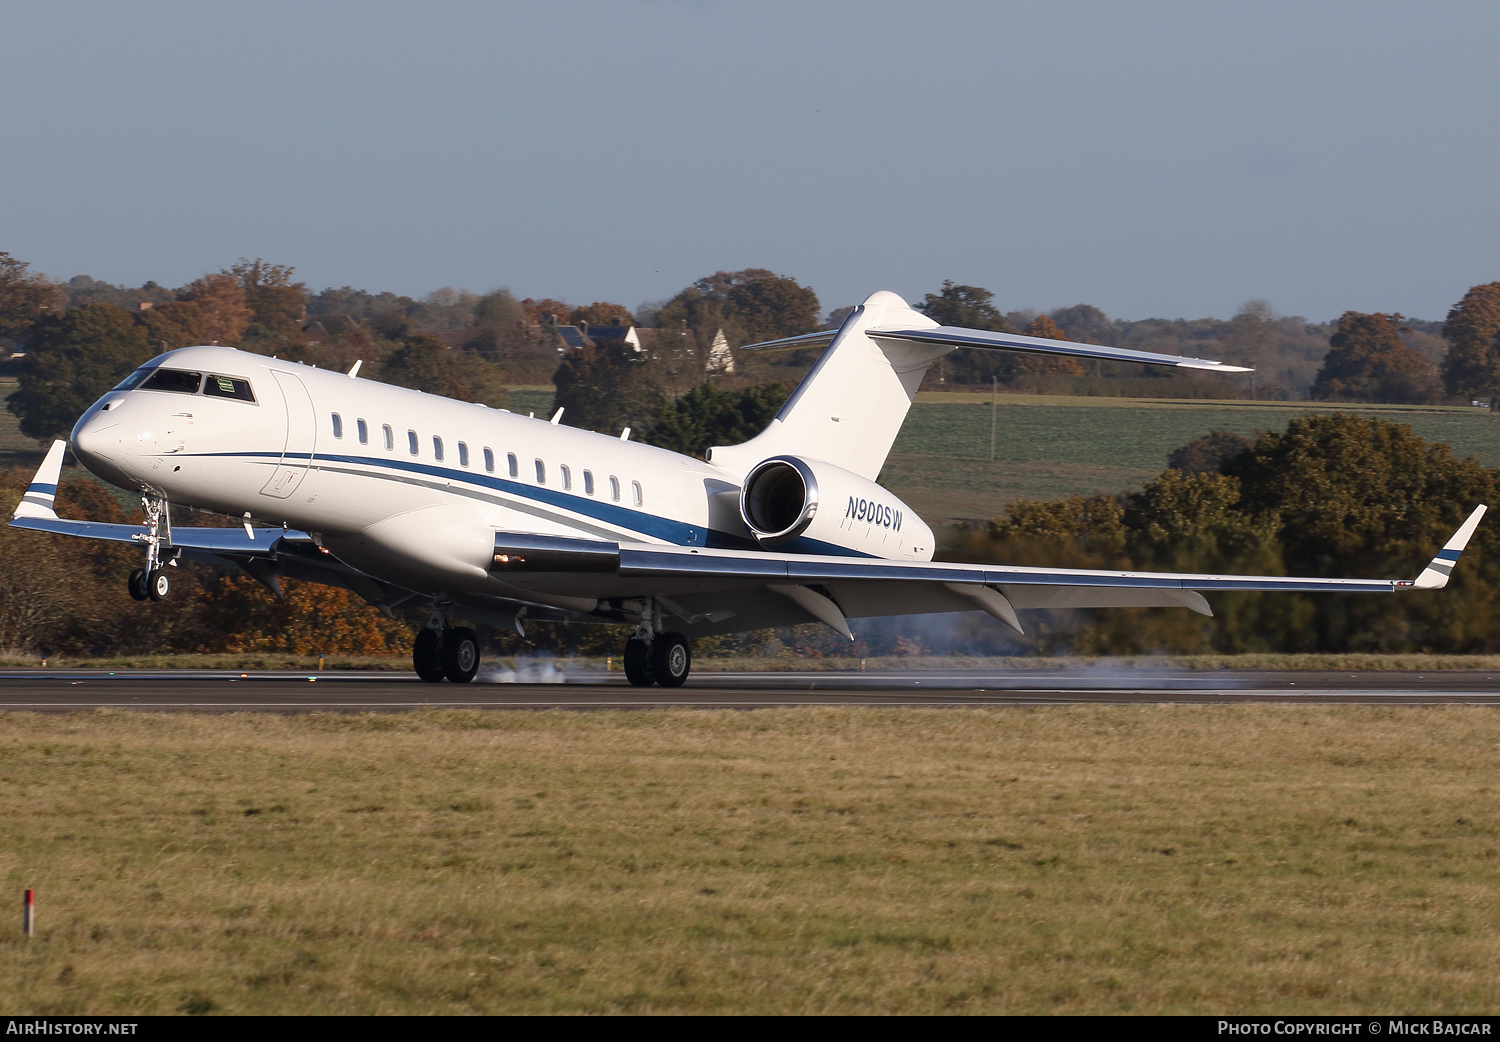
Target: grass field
x=1049, y=447
x=1070, y=860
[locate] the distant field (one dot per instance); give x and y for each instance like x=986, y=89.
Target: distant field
x=1047, y=447
x=1237, y=859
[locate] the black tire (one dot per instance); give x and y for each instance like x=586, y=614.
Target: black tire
x=638, y=663
x=136, y=584
x=158, y=585
x=460, y=655
x=427, y=656
x=671, y=659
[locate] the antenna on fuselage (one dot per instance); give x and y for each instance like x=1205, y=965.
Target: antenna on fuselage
x=625, y=434
x=354, y=369
x=557, y=415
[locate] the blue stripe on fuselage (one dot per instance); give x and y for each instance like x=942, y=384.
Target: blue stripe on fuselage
x=677, y=532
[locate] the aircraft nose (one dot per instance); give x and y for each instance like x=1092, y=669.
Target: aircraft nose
x=96, y=439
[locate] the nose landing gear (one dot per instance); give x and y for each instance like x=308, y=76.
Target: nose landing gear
x=152, y=582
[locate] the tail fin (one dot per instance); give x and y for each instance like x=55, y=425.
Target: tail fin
x=849, y=408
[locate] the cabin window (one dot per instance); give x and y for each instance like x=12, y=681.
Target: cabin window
x=588, y=482
x=364, y=431
x=228, y=387
x=614, y=488
x=437, y=448
x=411, y=441
x=338, y=426
x=173, y=380
x=489, y=460
x=390, y=437
x=512, y=465
x=636, y=493
x=541, y=473
x=567, y=477
x=463, y=455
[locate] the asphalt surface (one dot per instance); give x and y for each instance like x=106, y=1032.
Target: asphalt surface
x=43, y=690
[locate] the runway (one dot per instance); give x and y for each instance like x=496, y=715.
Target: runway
x=43, y=690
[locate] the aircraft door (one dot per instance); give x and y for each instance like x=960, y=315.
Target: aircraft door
x=301, y=434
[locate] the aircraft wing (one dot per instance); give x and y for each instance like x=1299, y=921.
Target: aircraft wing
x=707, y=587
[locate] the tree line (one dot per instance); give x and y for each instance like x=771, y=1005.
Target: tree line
x=80, y=336
x=1331, y=495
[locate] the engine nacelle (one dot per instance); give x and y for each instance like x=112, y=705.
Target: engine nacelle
x=787, y=498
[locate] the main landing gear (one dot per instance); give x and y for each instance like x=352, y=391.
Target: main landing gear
x=656, y=658
x=448, y=651
x=664, y=660
x=152, y=582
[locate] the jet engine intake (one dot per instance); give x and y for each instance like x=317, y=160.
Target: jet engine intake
x=787, y=498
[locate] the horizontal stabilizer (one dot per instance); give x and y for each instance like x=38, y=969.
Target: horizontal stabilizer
x=1435, y=575
x=822, y=338
x=955, y=336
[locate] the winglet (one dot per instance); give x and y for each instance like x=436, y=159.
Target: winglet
x=1435, y=575
x=41, y=496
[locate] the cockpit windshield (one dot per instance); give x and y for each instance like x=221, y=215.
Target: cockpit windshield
x=183, y=381
x=133, y=381
x=228, y=387
x=173, y=380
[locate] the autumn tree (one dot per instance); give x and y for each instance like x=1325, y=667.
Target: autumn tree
x=748, y=306
x=971, y=307
x=72, y=359
x=606, y=387
x=24, y=297
x=278, y=306
x=1025, y=364
x=427, y=364
x=1085, y=324
x=602, y=313
x=1205, y=455
x=707, y=416
x=224, y=315
x=545, y=310
x=1352, y=496
x=766, y=305
x=1368, y=361
x=1472, y=365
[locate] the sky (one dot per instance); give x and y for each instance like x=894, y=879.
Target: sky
x=1153, y=159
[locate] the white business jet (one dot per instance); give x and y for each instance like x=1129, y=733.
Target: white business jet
x=485, y=516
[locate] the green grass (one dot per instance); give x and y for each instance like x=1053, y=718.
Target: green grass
x=1050, y=447
x=1238, y=859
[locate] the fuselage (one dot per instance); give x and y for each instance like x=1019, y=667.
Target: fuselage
x=406, y=485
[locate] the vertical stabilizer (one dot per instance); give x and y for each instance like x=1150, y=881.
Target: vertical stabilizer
x=850, y=406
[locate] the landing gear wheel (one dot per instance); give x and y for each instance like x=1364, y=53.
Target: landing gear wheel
x=158, y=585
x=136, y=584
x=670, y=659
x=461, y=655
x=427, y=656
x=638, y=663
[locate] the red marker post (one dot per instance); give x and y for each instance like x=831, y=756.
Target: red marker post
x=28, y=914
